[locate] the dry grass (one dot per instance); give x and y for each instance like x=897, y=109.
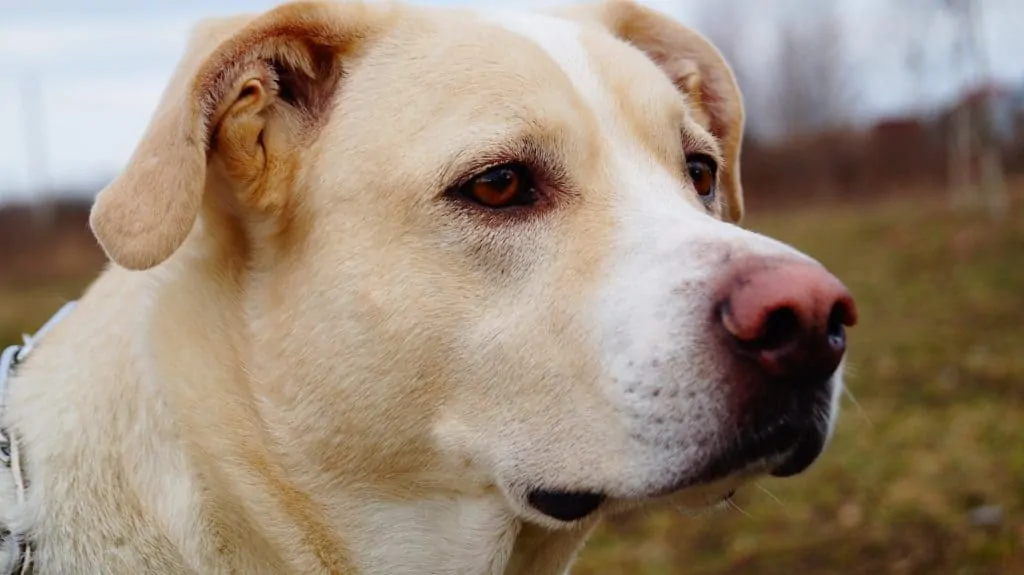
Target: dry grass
x=938, y=372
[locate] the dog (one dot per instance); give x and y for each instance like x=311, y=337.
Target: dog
x=399, y=289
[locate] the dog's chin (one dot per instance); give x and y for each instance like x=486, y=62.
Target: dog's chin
x=782, y=449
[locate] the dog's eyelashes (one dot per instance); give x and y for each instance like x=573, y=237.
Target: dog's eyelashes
x=703, y=173
x=503, y=186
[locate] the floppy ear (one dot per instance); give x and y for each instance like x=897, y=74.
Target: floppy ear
x=247, y=89
x=695, y=66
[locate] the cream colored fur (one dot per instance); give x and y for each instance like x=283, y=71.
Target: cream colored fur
x=306, y=358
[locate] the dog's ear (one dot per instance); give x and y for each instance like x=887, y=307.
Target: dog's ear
x=247, y=89
x=695, y=66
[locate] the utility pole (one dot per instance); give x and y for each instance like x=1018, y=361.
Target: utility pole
x=34, y=124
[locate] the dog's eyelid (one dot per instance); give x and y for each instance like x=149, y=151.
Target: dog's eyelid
x=706, y=158
x=710, y=155
x=524, y=151
x=699, y=145
x=476, y=157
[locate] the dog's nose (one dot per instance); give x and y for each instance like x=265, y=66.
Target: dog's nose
x=789, y=317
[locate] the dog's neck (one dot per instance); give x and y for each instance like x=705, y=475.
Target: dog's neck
x=186, y=471
x=414, y=524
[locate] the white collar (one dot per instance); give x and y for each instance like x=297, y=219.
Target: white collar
x=10, y=457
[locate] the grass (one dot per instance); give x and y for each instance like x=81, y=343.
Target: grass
x=938, y=371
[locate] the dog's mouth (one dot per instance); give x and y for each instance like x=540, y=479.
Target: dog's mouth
x=784, y=447
x=565, y=505
x=570, y=506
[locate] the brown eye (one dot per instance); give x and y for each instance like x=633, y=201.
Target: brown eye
x=702, y=173
x=501, y=187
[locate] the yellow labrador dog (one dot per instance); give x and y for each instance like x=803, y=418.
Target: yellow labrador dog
x=402, y=290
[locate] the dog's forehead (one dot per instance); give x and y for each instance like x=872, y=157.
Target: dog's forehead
x=593, y=60
x=639, y=112
x=467, y=81
x=560, y=39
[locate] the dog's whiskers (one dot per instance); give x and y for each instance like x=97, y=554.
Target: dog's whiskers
x=699, y=511
x=860, y=408
x=770, y=494
x=732, y=503
x=710, y=506
x=775, y=499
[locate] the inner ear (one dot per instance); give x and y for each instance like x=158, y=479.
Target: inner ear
x=309, y=89
x=299, y=78
x=277, y=105
x=252, y=90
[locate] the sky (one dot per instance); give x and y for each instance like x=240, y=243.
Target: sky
x=93, y=70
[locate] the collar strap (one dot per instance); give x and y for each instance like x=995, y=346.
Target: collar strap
x=10, y=456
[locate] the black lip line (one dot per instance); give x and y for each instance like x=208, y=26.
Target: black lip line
x=768, y=449
x=758, y=456
x=761, y=465
x=739, y=459
x=709, y=475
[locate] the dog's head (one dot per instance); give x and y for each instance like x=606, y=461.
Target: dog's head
x=490, y=252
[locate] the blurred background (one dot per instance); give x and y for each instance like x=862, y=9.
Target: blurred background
x=885, y=138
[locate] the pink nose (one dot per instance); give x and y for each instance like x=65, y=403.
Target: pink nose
x=789, y=317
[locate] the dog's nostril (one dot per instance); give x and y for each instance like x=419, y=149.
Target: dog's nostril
x=836, y=328
x=781, y=327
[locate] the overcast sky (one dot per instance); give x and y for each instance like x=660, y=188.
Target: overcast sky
x=95, y=68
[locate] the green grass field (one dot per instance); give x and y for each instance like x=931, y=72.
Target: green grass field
x=937, y=432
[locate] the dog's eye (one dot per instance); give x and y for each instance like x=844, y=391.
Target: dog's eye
x=702, y=172
x=501, y=187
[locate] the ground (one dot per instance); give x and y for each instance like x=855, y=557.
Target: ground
x=926, y=473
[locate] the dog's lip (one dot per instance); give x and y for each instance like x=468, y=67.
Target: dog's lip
x=807, y=450
x=783, y=451
x=565, y=506
x=785, y=447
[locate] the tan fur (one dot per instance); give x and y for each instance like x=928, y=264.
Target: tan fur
x=696, y=67
x=223, y=94
x=318, y=364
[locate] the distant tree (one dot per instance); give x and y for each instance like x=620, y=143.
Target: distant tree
x=724, y=23
x=813, y=86
x=973, y=157
x=973, y=136
x=805, y=86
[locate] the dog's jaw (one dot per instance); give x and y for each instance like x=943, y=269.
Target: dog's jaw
x=468, y=534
